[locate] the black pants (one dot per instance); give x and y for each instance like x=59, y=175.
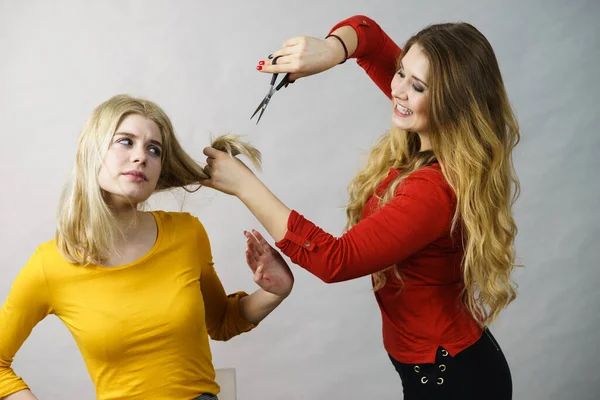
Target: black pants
x=478, y=372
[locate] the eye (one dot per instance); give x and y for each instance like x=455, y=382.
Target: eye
x=125, y=141
x=155, y=151
x=418, y=88
x=401, y=73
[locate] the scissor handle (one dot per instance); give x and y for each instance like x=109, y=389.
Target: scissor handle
x=274, y=77
x=284, y=81
x=275, y=59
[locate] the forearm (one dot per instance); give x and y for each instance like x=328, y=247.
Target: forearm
x=21, y=395
x=267, y=208
x=255, y=307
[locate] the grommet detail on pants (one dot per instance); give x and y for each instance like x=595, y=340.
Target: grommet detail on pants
x=440, y=381
x=442, y=367
x=444, y=353
x=417, y=369
x=424, y=380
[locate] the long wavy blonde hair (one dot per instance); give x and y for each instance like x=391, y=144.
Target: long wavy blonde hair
x=473, y=131
x=86, y=228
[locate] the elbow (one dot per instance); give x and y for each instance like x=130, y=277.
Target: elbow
x=220, y=338
x=334, y=269
x=218, y=335
x=362, y=17
x=332, y=277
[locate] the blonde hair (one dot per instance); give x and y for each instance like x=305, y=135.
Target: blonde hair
x=86, y=228
x=472, y=130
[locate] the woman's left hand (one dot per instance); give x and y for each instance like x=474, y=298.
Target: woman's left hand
x=271, y=272
x=227, y=174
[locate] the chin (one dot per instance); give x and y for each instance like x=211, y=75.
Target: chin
x=128, y=198
x=404, y=127
x=137, y=198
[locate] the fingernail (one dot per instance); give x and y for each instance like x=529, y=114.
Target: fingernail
x=270, y=56
x=259, y=68
x=261, y=63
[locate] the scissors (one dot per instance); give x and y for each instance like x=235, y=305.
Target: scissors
x=265, y=102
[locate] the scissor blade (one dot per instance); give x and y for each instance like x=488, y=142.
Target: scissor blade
x=260, y=106
x=260, y=115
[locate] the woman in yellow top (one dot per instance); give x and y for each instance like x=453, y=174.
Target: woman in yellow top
x=137, y=290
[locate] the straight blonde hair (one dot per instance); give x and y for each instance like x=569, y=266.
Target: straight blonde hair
x=86, y=227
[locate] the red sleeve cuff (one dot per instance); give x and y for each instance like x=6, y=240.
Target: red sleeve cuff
x=296, y=238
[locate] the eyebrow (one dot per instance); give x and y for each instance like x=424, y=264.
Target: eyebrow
x=131, y=135
x=420, y=80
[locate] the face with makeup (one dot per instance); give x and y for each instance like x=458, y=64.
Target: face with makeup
x=410, y=92
x=132, y=165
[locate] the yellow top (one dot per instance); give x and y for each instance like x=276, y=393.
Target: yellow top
x=142, y=328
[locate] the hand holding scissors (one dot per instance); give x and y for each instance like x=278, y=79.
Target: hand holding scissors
x=265, y=101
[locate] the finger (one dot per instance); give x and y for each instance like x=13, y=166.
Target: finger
x=251, y=261
x=288, y=47
x=251, y=248
x=282, y=53
x=278, y=58
x=255, y=246
x=208, y=170
x=251, y=239
x=261, y=240
x=293, y=41
x=258, y=275
x=210, y=161
x=211, y=152
x=255, y=254
x=284, y=65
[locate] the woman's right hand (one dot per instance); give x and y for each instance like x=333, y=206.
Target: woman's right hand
x=304, y=56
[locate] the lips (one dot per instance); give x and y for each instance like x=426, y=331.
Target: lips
x=137, y=175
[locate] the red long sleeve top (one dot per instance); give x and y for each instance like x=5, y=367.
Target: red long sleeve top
x=411, y=231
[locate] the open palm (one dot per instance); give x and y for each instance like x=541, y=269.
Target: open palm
x=270, y=270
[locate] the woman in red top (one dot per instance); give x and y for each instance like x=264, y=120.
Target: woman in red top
x=429, y=215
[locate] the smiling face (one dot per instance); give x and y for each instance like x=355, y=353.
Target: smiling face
x=132, y=165
x=410, y=92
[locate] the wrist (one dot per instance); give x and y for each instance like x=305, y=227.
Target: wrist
x=338, y=49
x=277, y=298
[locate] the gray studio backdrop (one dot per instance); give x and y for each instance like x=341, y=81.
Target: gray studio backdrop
x=197, y=59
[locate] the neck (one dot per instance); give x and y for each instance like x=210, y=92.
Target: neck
x=128, y=219
x=425, y=142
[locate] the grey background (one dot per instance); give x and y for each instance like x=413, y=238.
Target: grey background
x=196, y=59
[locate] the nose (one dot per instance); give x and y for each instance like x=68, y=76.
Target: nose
x=399, y=89
x=138, y=155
